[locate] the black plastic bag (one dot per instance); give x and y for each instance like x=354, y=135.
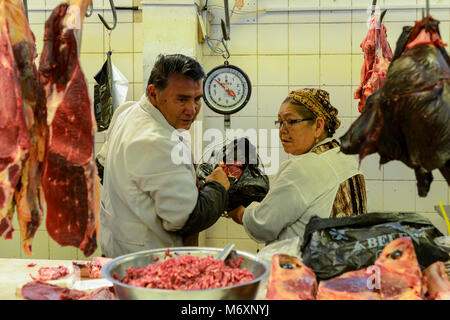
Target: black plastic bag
x=333, y=246
x=252, y=185
x=103, y=96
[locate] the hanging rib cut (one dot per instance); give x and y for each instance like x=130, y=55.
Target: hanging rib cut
x=70, y=181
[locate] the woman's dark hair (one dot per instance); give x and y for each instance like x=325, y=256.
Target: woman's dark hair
x=166, y=65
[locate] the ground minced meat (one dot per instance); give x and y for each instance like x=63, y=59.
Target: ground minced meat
x=188, y=273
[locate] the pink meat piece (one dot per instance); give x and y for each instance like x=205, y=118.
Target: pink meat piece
x=377, y=57
x=51, y=273
x=437, y=281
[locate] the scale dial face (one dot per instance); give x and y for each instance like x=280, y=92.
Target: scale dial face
x=226, y=89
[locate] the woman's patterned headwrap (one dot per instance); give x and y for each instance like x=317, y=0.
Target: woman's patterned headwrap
x=318, y=102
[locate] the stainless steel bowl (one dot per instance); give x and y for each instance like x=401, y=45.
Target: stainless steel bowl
x=244, y=291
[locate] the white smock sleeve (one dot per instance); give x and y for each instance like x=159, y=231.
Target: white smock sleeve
x=282, y=206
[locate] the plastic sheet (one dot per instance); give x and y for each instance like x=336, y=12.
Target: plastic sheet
x=332, y=247
x=252, y=185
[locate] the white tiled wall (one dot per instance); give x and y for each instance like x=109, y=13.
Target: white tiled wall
x=280, y=51
x=290, y=50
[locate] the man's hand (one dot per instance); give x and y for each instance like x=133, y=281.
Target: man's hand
x=219, y=176
x=237, y=214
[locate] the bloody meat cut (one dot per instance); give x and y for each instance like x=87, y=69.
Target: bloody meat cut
x=29, y=195
x=400, y=275
x=14, y=136
x=377, y=57
x=438, y=283
x=70, y=182
x=396, y=275
x=233, y=170
x=38, y=290
x=353, y=285
x=407, y=119
x=290, y=279
x=95, y=267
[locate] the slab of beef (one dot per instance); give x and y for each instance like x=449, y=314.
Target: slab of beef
x=29, y=195
x=290, y=279
x=14, y=135
x=353, y=285
x=396, y=275
x=377, y=57
x=407, y=119
x=438, y=283
x=70, y=182
x=39, y=290
x=400, y=275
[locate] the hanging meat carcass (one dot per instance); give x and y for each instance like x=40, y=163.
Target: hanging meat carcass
x=377, y=57
x=408, y=118
x=29, y=195
x=70, y=182
x=14, y=136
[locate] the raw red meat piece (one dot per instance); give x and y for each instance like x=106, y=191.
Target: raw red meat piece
x=95, y=267
x=407, y=118
x=290, y=279
x=51, y=273
x=437, y=281
x=377, y=57
x=70, y=181
x=29, y=195
x=234, y=170
x=14, y=136
x=401, y=278
x=353, y=285
x=38, y=290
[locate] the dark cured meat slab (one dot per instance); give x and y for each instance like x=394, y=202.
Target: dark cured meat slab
x=408, y=118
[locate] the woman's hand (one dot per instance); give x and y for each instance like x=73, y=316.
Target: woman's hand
x=237, y=214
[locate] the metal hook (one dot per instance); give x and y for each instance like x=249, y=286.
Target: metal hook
x=427, y=19
x=113, y=8
x=90, y=10
x=226, y=49
x=374, y=5
x=383, y=13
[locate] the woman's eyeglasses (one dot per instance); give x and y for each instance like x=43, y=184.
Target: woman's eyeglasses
x=289, y=123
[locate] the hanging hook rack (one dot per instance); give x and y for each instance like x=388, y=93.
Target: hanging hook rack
x=374, y=5
x=383, y=13
x=113, y=8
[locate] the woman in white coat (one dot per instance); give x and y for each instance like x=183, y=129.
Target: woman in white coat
x=317, y=180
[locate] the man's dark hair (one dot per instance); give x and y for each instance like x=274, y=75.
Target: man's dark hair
x=166, y=65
